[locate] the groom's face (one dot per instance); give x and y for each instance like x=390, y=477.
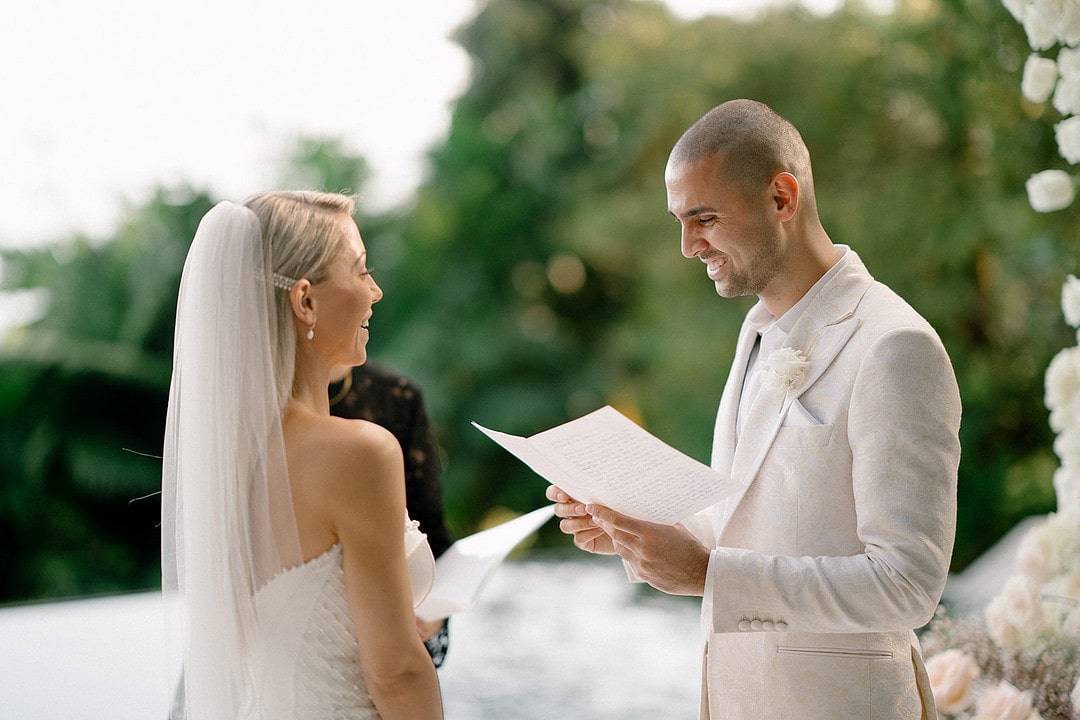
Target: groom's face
x=725, y=227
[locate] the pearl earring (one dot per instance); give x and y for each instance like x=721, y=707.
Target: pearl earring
x=311, y=332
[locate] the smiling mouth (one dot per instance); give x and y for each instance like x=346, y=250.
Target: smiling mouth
x=713, y=264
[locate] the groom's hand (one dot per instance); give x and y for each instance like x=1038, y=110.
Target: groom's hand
x=667, y=557
x=575, y=521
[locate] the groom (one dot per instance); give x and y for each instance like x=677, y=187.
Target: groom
x=839, y=421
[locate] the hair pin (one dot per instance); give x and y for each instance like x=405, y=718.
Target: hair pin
x=283, y=282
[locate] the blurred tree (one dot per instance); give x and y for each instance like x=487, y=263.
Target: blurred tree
x=82, y=406
x=501, y=319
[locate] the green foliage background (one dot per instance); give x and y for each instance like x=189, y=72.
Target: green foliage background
x=537, y=276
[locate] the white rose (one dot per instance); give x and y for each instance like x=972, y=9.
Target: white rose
x=1067, y=447
x=1013, y=617
x=1061, y=597
x=952, y=674
x=1061, y=15
x=1067, y=95
x=1036, y=555
x=1067, y=134
x=1069, y=30
x=1062, y=388
x=1068, y=62
x=1070, y=289
x=1039, y=26
x=1071, y=626
x=1067, y=484
x=785, y=368
x=1062, y=530
x=1040, y=76
x=1005, y=702
x=1050, y=189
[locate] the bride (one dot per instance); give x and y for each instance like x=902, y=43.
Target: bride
x=284, y=531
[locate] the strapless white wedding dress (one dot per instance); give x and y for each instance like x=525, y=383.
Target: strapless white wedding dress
x=310, y=658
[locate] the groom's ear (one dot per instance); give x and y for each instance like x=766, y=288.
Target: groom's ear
x=784, y=195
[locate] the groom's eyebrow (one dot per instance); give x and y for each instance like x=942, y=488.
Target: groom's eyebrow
x=692, y=212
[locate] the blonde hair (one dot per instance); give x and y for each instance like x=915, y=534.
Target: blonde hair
x=302, y=236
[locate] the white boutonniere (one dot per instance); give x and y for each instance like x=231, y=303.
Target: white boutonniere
x=785, y=369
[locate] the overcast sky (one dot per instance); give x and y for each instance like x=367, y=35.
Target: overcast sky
x=102, y=100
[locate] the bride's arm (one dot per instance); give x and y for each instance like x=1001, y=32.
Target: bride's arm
x=366, y=505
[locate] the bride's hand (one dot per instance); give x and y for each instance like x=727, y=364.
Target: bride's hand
x=427, y=628
x=575, y=521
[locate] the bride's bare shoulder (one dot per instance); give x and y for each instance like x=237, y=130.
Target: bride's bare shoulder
x=343, y=460
x=337, y=440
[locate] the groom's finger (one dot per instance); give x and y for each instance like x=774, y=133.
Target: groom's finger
x=571, y=510
x=577, y=524
x=611, y=519
x=554, y=494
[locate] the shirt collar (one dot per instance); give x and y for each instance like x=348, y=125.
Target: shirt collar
x=762, y=320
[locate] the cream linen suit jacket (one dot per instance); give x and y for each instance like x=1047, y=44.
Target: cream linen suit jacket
x=839, y=542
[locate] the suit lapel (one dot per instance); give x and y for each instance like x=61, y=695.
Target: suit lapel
x=821, y=332
x=723, y=448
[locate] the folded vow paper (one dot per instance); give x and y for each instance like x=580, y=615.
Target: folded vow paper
x=465, y=568
x=605, y=458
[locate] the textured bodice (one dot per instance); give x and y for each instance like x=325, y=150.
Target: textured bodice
x=310, y=657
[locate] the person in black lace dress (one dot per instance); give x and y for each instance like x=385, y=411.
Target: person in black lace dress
x=388, y=398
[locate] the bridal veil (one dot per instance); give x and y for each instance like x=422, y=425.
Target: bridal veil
x=227, y=517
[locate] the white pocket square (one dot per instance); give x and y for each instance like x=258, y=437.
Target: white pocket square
x=798, y=416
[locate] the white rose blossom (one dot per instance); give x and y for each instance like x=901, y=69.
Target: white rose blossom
x=1047, y=22
x=1061, y=598
x=952, y=674
x=1036, y=557
x=1071, y=625
x=1068, y=62
x=1005, y=702
x=1067, y=447
x=1067, y=487
x=1070, y=294
x=1039, y=27
x=1062, y=529
x=785, y=369
x=1064, y=17
x=1067, y=134
x=1013, y=617
x=1062, y=389
x=1068, y=24
x=1050, y=189
x=1067, y=95
x=1040, y=76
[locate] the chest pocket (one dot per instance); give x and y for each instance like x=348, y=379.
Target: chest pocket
x=803, y=437
x=801, y=429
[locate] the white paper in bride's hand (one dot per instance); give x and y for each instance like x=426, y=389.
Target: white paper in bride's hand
x=464, y=569
x=605, y=458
